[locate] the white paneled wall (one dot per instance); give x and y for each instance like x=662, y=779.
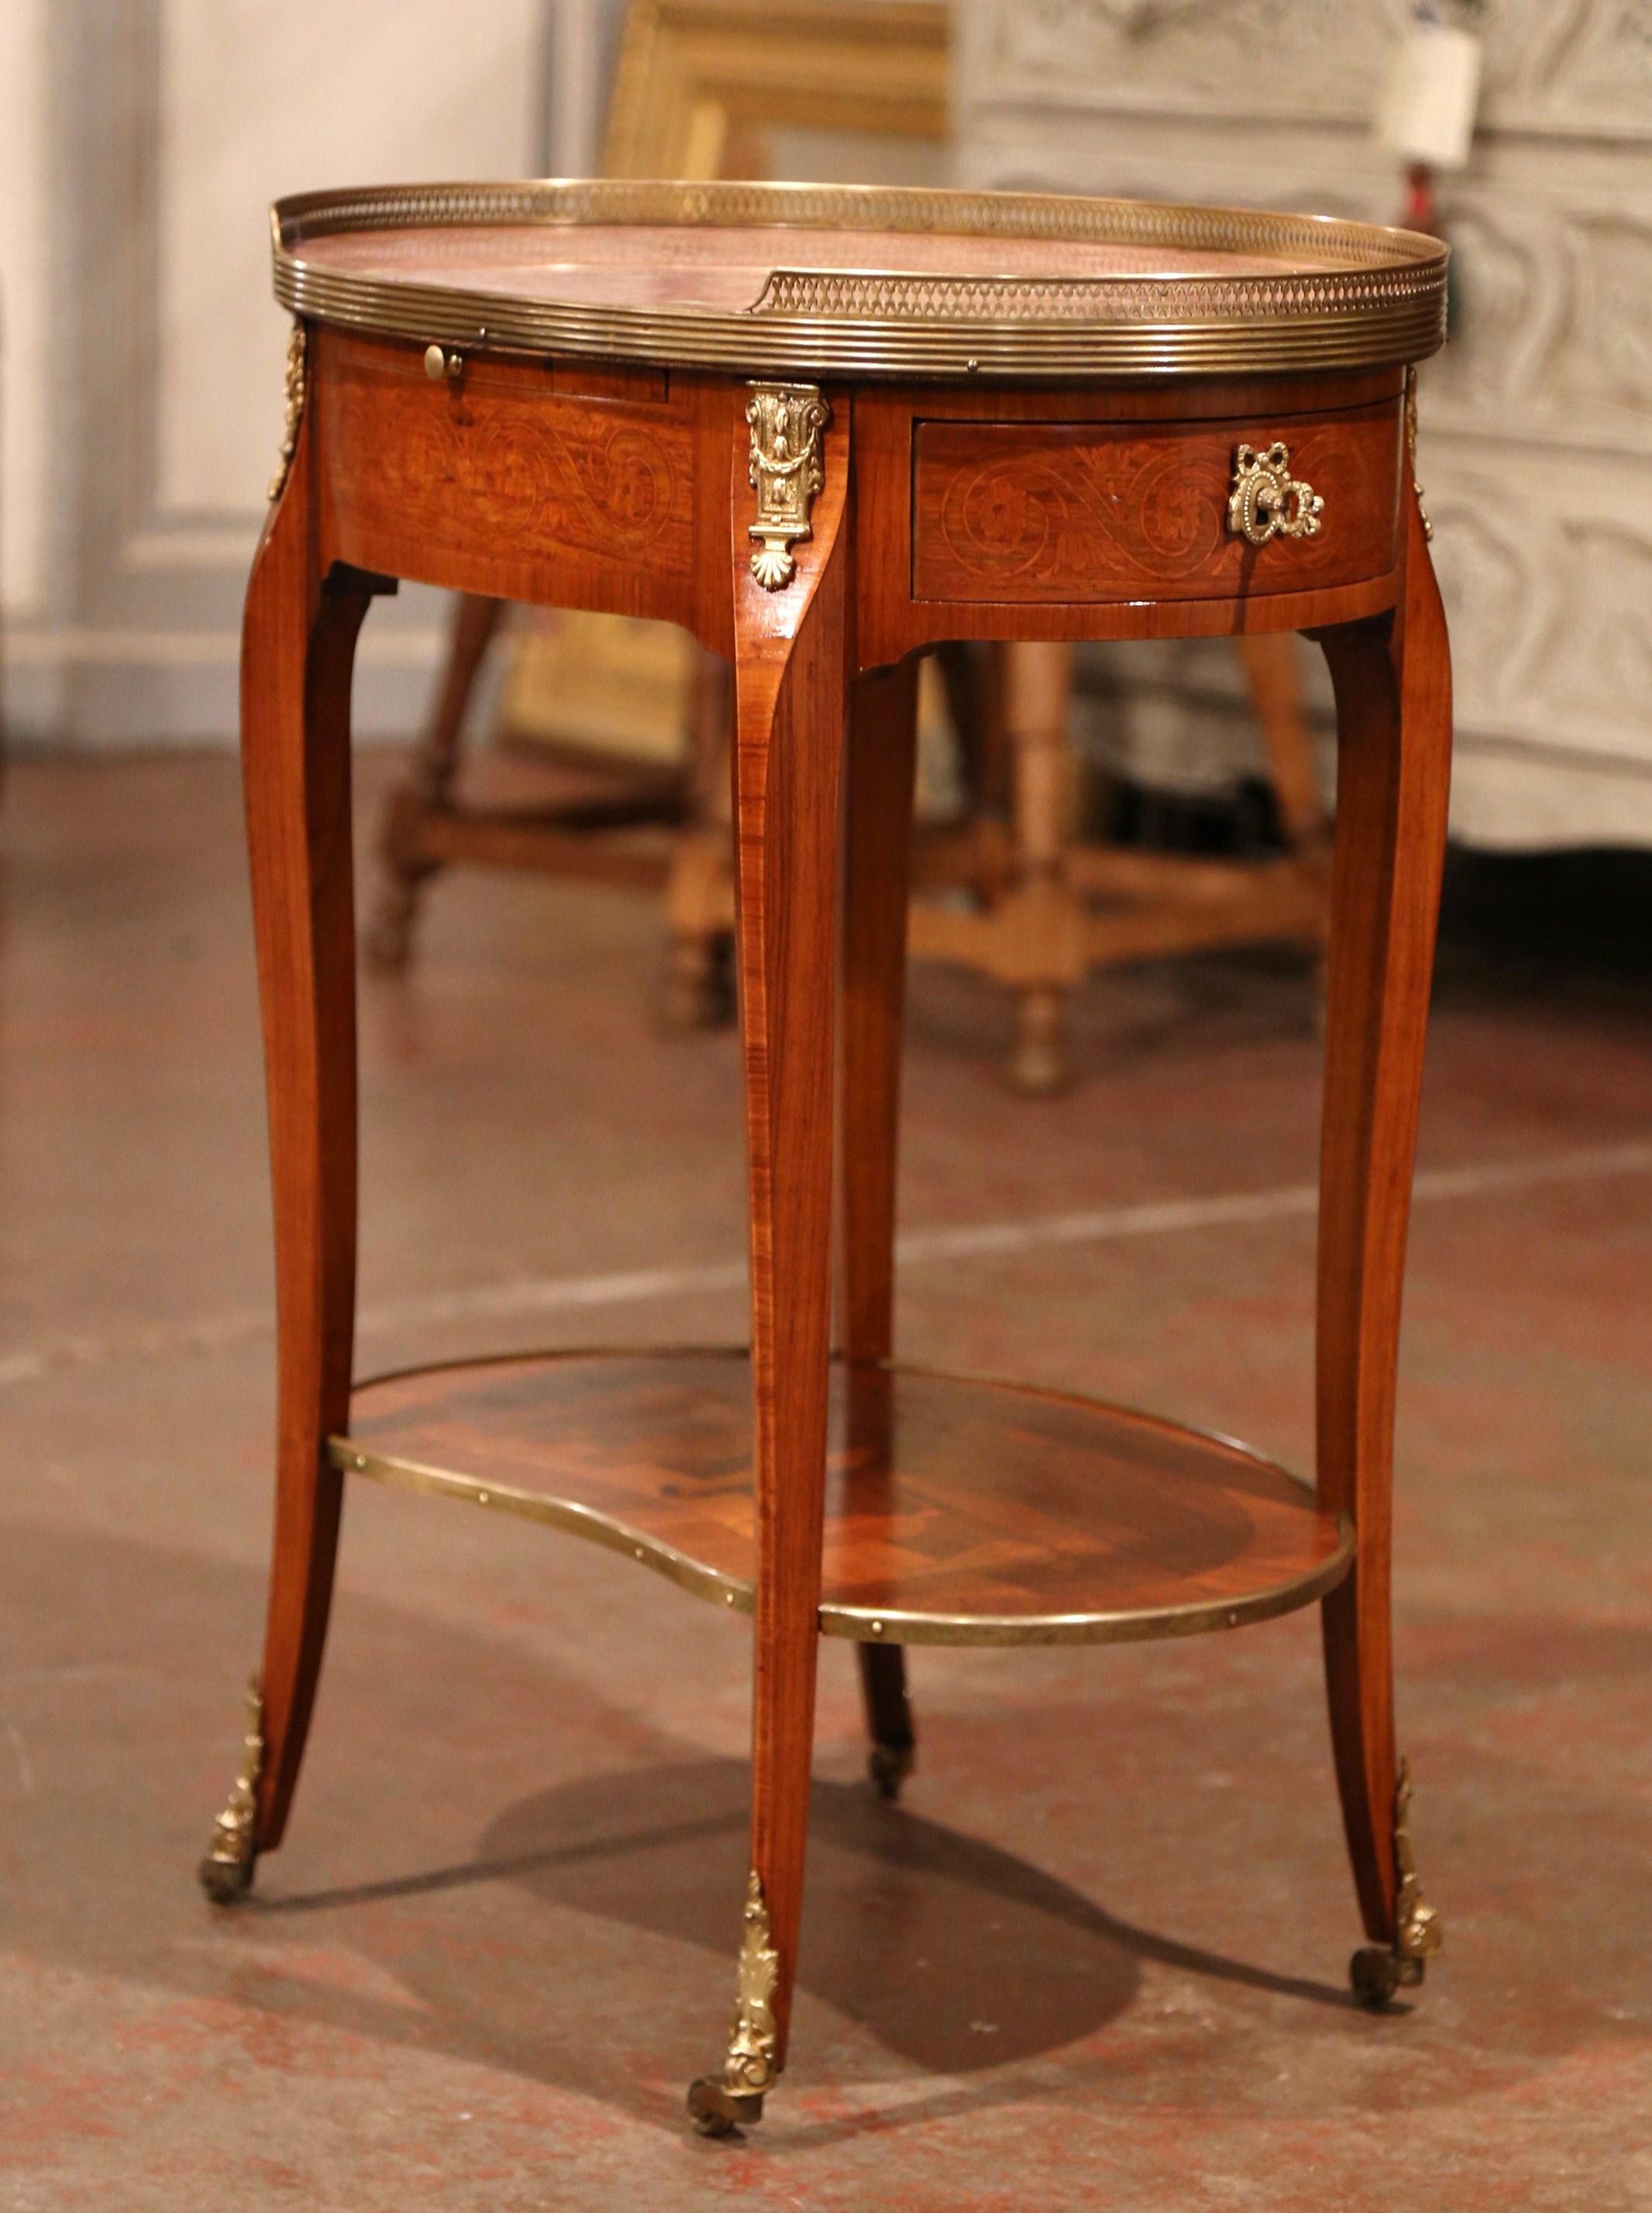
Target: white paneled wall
x=376, y=92
x=1536, y=440
x=24, y=351
x=140, y=144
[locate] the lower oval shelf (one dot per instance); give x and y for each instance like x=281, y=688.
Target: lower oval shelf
x=959, y=1511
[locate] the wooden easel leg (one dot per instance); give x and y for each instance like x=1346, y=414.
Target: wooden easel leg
x=423, y=791
x=877, y=878
x=791, y=687
x=1393, y=706
x=298, y=642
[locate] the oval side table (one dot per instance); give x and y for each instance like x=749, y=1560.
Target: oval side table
x=824, y=429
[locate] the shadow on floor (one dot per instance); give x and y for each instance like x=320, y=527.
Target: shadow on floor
x=924, y=1948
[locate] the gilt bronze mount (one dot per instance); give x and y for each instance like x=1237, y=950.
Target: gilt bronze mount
x=226, y=1873
x=1377, y=1971
x=1410, y=446
x=295, y=410
x=720, y=2103
x=1267, y=501
x=785, y=473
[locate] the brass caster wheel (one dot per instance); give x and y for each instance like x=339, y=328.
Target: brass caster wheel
x=888, y=1765
x=226, y=1882
x=720, y=2104
x=717, y=2111
x=226, y=1873
x=1376, y=1971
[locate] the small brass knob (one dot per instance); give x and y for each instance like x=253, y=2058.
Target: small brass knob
x=439, y=364
x=1267, y=501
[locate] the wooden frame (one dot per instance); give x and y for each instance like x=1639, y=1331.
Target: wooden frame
x=697, y=79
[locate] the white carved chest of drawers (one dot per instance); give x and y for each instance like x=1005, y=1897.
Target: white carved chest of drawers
x=1536, y=438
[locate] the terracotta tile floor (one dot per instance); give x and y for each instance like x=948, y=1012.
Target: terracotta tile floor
x=1096, y=1960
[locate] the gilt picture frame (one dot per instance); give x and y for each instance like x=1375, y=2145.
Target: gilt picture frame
x=707, y=88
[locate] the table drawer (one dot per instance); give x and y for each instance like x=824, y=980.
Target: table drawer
x=1083, y=511
x=516, y=461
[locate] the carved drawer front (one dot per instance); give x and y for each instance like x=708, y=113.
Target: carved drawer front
x=1083, y=511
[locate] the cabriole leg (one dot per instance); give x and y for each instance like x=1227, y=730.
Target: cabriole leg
x=297, y=646
x=790, y=682
x=1393, y=709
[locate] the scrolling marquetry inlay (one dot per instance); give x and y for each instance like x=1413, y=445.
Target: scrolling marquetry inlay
x=550, y=477
x=1007, y=512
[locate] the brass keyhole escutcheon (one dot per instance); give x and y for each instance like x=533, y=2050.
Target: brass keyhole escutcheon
x=1266, y=501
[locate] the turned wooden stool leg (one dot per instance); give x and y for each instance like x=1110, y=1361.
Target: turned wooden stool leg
x=1042, y=951
x=699, y=979
x=1392, y=683
x=1268, y=658
x=1269, y=661
x=423, y=791
x=881, y=765
x=298, y=642
x=791, y=687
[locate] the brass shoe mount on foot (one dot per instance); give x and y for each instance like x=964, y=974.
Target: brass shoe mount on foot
x=226, y=1871
x=1377, y=1971
x=722, y=2103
